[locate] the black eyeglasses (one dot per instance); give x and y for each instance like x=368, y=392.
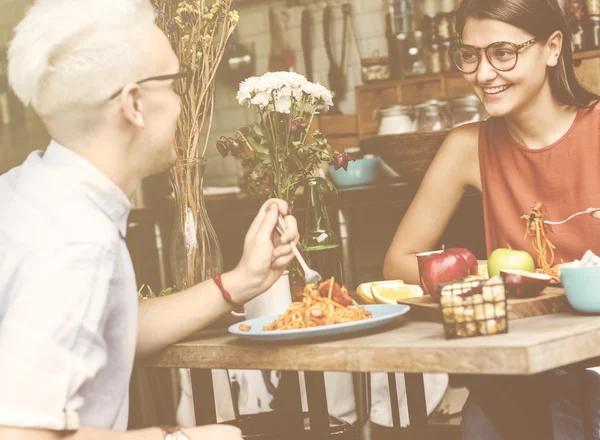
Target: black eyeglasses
x=181, y=84
x=502, y=55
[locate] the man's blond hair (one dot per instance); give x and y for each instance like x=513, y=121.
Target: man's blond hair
x=75, y=53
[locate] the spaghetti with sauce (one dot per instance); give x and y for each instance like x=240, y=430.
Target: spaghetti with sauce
x=325, y=304
x=538, y=230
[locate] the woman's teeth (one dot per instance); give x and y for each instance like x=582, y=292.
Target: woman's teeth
x=495, y=90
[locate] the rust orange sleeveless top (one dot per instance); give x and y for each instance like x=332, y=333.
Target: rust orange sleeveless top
x=564, y=176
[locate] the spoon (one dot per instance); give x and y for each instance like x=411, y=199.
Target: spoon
x=310, y=276
x=589, y=211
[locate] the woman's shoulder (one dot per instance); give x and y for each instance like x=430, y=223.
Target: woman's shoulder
x=459, y=152
x=589, y=117
x=465, y=135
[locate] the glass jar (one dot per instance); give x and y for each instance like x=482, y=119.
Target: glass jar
x=396, y=119
x=375, y=69
x=443, y=26
x=465, y=109
x=576, y=10
x=578, y=41
x=593, y=7
x=445, y=60
x=593, y=41
x=432, y=115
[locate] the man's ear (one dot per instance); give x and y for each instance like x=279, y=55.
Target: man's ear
x=554, y=45
x=131, y=105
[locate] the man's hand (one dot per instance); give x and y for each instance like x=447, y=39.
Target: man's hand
x=264, y=259
x=266, y=253
x=213, y=432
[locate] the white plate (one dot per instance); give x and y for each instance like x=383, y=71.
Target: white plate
x=382, y=314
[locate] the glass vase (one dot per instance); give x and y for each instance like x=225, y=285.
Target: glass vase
x=320, y=244
x=195, y=251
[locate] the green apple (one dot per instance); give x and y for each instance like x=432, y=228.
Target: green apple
x=503, y=258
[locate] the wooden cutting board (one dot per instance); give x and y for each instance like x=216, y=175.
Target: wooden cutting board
x=552, y=300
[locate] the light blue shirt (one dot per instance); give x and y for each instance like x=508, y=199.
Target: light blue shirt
x=68, y=303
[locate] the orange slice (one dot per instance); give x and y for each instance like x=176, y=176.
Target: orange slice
x=390, y=292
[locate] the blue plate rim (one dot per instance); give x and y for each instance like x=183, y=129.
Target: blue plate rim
x=402, y=309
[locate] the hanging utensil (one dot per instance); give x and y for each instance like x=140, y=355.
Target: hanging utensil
x=277, y=61
x=347, y=11
x=346, y=17
x=289, y=56
x=306, y=28
x=281, y=58
x=335, y=76
x=239, y=63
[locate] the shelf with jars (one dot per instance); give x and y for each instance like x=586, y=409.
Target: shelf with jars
x=370, y=98
x=418, y=67
x=374, y=96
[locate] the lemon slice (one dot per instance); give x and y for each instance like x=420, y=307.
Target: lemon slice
x=364, y=293
x=482, y=270
x=385, y=293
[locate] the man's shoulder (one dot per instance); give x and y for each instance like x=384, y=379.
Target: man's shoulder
x=42, y=209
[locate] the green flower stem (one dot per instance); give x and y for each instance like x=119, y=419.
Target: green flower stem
x=276, y=173
x=312, y=115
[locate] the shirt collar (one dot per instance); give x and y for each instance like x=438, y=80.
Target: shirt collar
x=97, y=187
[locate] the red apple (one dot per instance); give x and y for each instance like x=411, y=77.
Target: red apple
x=469, y=257
x=440, y=267
x=524, y=284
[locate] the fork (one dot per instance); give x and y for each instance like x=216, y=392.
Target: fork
x=589, y=211
x=310, y=276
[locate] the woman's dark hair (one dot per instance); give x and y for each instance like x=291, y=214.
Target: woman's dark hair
x=541, y=18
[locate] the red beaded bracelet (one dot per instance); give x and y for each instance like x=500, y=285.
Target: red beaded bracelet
x=224, y=292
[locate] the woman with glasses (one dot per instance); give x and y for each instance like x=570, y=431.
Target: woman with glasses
x=541, y=143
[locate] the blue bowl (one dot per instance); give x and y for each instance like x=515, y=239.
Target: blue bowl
x=366, y=171
x=582, y=287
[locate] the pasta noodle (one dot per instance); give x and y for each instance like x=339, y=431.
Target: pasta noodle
x=537, y=230
x=325, y=304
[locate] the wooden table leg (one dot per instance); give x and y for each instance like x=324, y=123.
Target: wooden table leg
x=394, y=400
x=289, y=388
x=362, y=391
x=585, y=400
x=417, y=406
x=317, y=404
x=539, y=401
x=204, y=397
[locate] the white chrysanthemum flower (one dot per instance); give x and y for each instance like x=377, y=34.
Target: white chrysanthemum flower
x=280, y=90
x=318, y=94
x=283, y=104
x=247, y=89
x=261, y=98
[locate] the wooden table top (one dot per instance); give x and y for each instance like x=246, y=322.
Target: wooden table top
x=532, y=345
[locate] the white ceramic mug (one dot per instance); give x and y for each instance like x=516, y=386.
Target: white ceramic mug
x=273, y=301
